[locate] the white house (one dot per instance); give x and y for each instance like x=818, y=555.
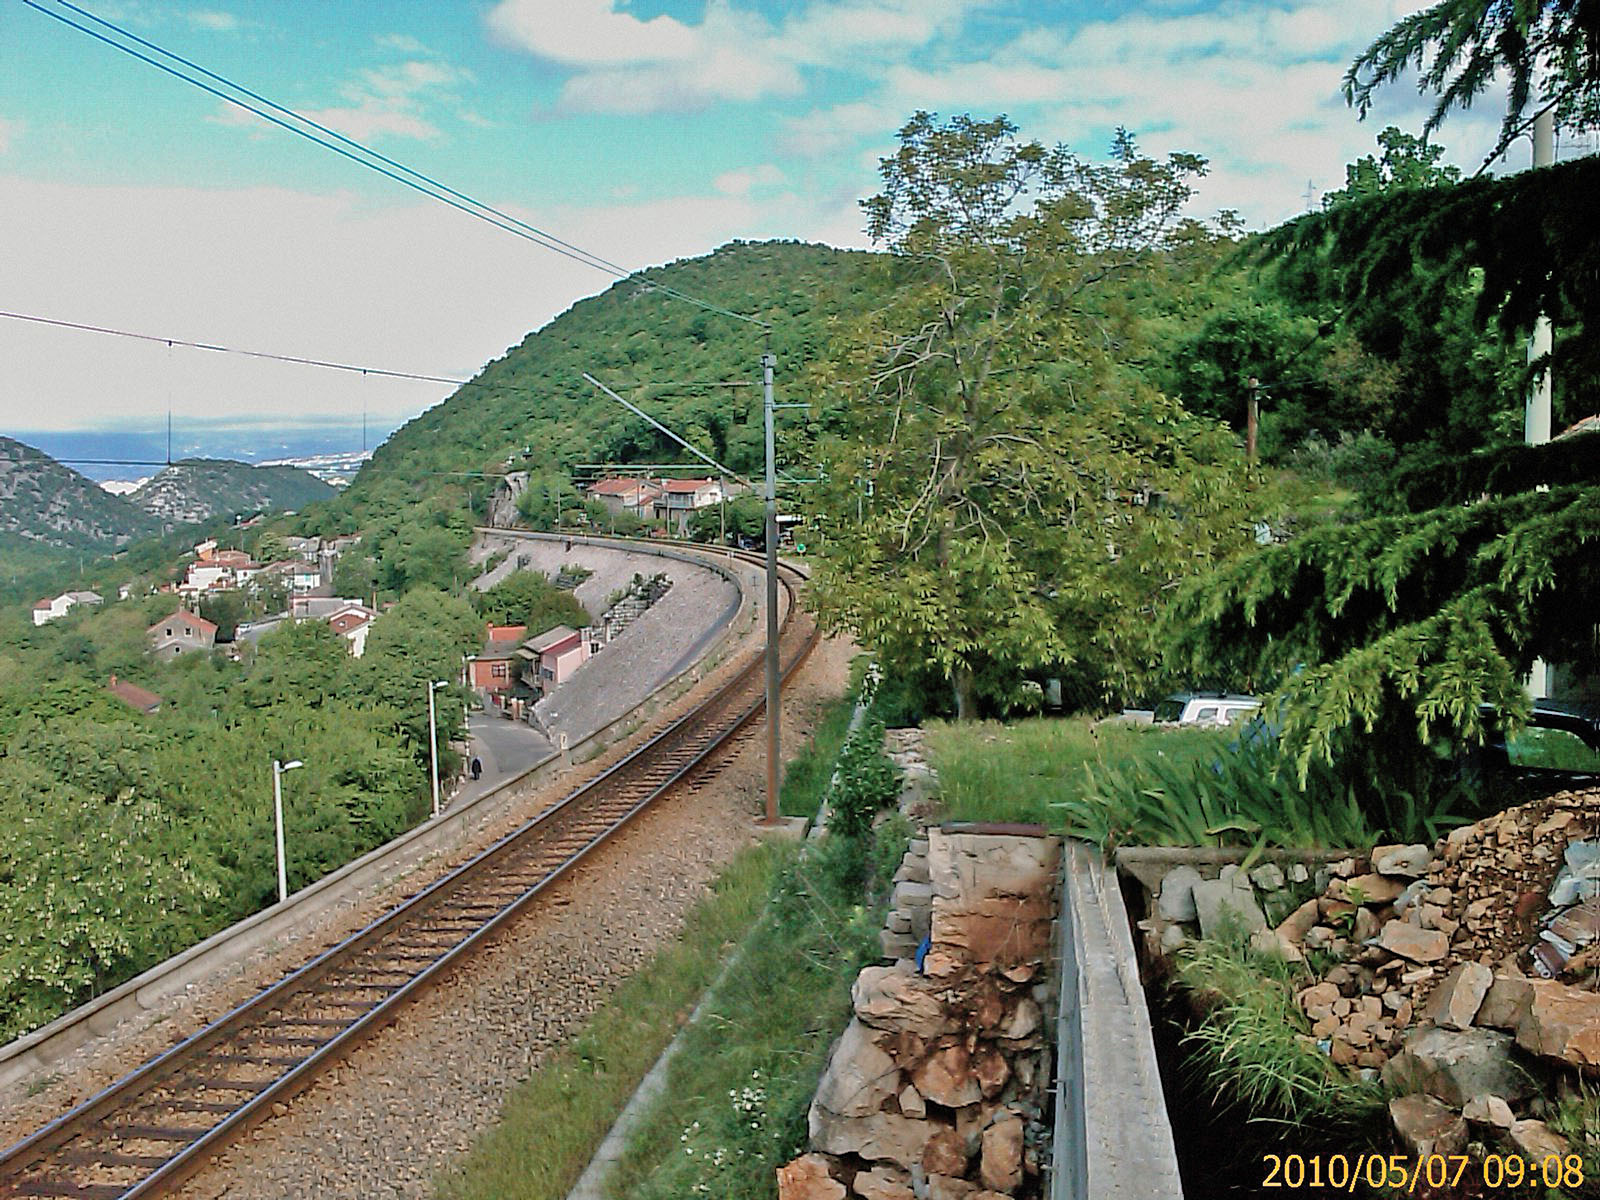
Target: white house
x=54, y=607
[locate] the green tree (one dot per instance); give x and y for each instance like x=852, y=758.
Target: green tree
x=1382, y=635
x=1011, y=459
x=1405, y=162
x=528, y=598
x=742, y=516
x=1549, y=50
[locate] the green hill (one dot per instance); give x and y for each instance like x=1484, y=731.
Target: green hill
x=193, y=490
x=44, y=504
x=532, y=410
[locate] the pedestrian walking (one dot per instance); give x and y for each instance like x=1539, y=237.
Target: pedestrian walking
x=477, y=767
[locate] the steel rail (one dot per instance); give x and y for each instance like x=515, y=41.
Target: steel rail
x=567, y=829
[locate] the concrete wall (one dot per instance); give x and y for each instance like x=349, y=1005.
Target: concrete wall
x=1113, y=1139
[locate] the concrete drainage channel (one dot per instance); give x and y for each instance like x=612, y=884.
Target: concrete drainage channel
x=35, y=1054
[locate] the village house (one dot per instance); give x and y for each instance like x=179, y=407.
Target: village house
x=549, y=660
x=304, y=548
x=55, y=607
x=134, y=696
x=680, y=497
x=352, y=623
x=635, y=497
x=182, y=631
x=490, y=671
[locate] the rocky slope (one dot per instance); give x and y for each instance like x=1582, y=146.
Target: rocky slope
x=196, y=489
x=47, y=503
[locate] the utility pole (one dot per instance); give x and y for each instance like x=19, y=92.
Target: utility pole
x=1536, y=413
x=1252, y=418
x=768, y=361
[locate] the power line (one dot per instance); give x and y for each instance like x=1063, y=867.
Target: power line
x=419, y=181
x=288, y=358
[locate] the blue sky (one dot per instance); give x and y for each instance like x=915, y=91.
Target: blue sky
x=644, y=131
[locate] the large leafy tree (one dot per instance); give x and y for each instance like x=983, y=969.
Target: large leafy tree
x=1002, y=495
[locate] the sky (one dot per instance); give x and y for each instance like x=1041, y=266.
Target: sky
x=643, y=131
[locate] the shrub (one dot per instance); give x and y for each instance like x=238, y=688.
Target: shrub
x=866, y=782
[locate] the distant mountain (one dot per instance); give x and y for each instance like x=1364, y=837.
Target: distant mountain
x=48, y=504
x=197, y=489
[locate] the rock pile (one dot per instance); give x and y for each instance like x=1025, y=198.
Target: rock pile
x=939, y=1087
x=1445, y=968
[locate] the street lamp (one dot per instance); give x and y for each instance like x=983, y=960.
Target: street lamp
x=278, y=768
x=433, y=742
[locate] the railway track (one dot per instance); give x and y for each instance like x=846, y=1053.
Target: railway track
x=159, y=1124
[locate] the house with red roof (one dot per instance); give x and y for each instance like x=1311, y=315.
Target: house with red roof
x=134, y=696
x=182, y=632
x=632, y=496
x=491, y=670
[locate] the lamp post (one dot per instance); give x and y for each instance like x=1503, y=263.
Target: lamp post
x=433, y=742
x=278, y=768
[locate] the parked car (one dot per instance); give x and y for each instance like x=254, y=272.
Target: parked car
x=1559, y=744
x=1205, y=708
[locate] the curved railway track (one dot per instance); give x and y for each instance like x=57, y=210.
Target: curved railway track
x=154, y=1127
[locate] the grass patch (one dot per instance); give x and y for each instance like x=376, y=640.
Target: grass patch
x=805, y=778
x=1255, y=1044
x=552, y=1124
x=989, y=771
x=736, y=1100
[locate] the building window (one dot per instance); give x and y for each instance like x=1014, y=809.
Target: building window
x=498, y=670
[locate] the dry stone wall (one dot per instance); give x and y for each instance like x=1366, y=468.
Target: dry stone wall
x=1465, y=974
x=939, y=1087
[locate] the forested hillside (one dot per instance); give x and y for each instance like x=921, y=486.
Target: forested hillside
x=48, y=504
x=195, y=489
x=531, y=410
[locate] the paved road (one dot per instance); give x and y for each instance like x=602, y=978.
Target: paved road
x=507, y=748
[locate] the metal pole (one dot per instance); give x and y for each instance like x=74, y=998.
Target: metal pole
x=1252, y=419
x=433, y=750
x=277, y=820
x=1536, y=413
x=768, y=361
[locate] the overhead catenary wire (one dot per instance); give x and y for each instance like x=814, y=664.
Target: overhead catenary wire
x=374, y=161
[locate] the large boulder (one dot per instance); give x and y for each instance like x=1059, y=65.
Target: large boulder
x=1176, y=902
x=1456, y=1065
x=883, y=1183
x=1456, y=1001
x=1227, y=900
x=807, y=1178
x=1562, y=1022
x=881, y=1137
x=1427, y=1127
x=946, y=1077
x=898, y=999
x=860, y=1075
x=1413, y=942
x=1000, y=1167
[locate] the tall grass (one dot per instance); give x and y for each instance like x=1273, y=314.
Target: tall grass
x=1254, y=1044
x=990, y=771
x=735, y=1104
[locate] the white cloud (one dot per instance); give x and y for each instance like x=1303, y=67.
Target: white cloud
x=741, y=183
x=625, y=65
x=386, y=101
x=214, y=20
x=408, y=286
x=9, y=132
x=402, y=43
x=592, y=33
